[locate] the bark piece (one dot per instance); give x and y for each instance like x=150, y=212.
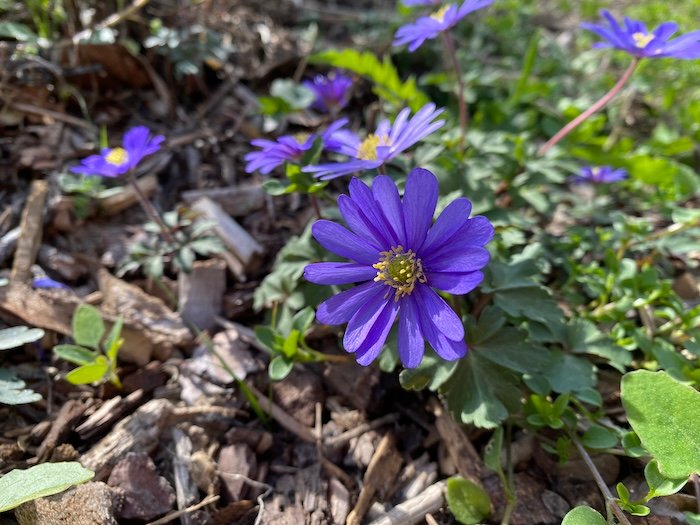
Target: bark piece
x=339, y=500
x=110, y=411
x=66, y=419
x=89, y=504
x=379, y=477
x=234, y=460
x=185, y=489
x=137, y=433
x=146, y=494
x=201, y=292
x=67, y=266
x=414, y=510
x=239, y=242
x=31, y=228
x=126, y=197
x=298, y=394
x=238, y=201
x=353, y=382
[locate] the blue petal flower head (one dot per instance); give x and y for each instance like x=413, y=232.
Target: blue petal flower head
x=113, y=162
x=379, y=147
x=599, y=175
x=428, y=27
x=47, y=282
x=400, y=256
x=637, y=40
x=288, y=148
x=332, y=92
x=420, y=2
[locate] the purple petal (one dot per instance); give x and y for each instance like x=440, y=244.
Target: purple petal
x=341, y=307
x=360, y=224
x=411, y=344
x=446, y=348
x=448, y=223
x=419, y=202
x=387, y=195
x=466, y=259
x=363, y=197
x=338, y=273
x=373, y=344
x=364, y=323
x=434, y=308
x=337, y=239
x=454, y=283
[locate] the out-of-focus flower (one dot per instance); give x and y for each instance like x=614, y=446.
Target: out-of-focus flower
x=420, y=2
x=638, y=41
x=428, y=27
x=288, y=148
x=400, y=256
x=47, y=282
x=332, y=92
x=599, y=175
x=113, y=162
x=379, y=147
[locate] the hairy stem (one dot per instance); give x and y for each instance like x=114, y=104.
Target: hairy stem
x=563, y=132
x=463, y=114
x=150, y=209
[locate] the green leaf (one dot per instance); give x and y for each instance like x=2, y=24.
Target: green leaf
x=599, y=437
x=20, y=486
x=583, y=337
x=303, y=319
x=18, y=31
x=12, y=391
x=468, y=502
x=388, y=83
x=659, y=485
x=583, y=516
x=114, y=340
x=268, y=337
x=693, y=519
x=19, y=335
x=665, y=414
x=279, y=368
x=431, y=373
x=89, y=373
x=291, y=344
x=567, y=373
x=492, y=451
x=296, y=96
x=75, y=354
x=88, y=327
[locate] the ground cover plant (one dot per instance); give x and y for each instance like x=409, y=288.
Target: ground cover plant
x=426, y=262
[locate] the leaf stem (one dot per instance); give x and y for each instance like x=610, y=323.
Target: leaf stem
x=150, y=209
x=463, y=113
x=563, y=132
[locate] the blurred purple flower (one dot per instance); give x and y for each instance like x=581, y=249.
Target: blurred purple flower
x=113, y=162
x=379, y=147
x=288, y=148
x=400, y=256
x=599, y=175
x=47, y=282
x=332, y=92
x=420, y=2
x=635, y=39
x=428, y=27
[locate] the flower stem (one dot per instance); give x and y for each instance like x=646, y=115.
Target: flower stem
x=463, y=114
x=317, y=207
x=563, y=132
x=150, y=209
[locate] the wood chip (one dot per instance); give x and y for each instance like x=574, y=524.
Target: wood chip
x=31, y=228
x=415, y=509
x=238, y=201
x=126, y=197
x=66, y=419
x=201, y=292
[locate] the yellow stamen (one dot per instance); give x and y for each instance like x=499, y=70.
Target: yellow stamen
x=399, y=270
x=301, y=137
x=367, y=150
x=439, y=15
x=117, y=157
x=641, y=40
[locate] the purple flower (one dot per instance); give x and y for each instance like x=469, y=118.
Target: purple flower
x=428, y=27
x=47, y=282
x=639, y=42
x=332, y=92
x=113, y=162
x=599, y=175
x=379, y=147
x=288, y=148
x=400, y=256
x=420, y=2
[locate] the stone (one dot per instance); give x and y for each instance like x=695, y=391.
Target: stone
x=236, y=459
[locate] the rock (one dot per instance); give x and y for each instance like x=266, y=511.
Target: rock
x=147, y=495
x=236, y=459
x=90, y=504
x=298, y=394
x=555, y=503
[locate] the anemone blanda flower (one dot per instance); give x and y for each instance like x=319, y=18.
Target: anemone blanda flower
x=638, y=41
x=428, y=27
x=47, y=282
x=399, y=255
x=420, y=2
x=379, y=147
x=288, y=148
x=599, y=175
x=332, y=92
x=113, y=162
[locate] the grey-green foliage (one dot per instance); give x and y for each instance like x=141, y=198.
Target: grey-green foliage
x=12, y=391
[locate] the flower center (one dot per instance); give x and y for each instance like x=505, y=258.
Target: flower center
x=400, y=270
x=439, y=15
x=367, y=150
x=641, y=40
x=301, y=137
x=117, y=157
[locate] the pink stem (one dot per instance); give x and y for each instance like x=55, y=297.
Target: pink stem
x=563, y=132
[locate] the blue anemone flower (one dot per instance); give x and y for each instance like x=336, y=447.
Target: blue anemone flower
x=47, y=282
x=637, y=40
x=379, y=147
x=599, y=175
x=113, y=162
x=400, y=256
x=428, y=27
x=289, y=148
x=332, y=92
